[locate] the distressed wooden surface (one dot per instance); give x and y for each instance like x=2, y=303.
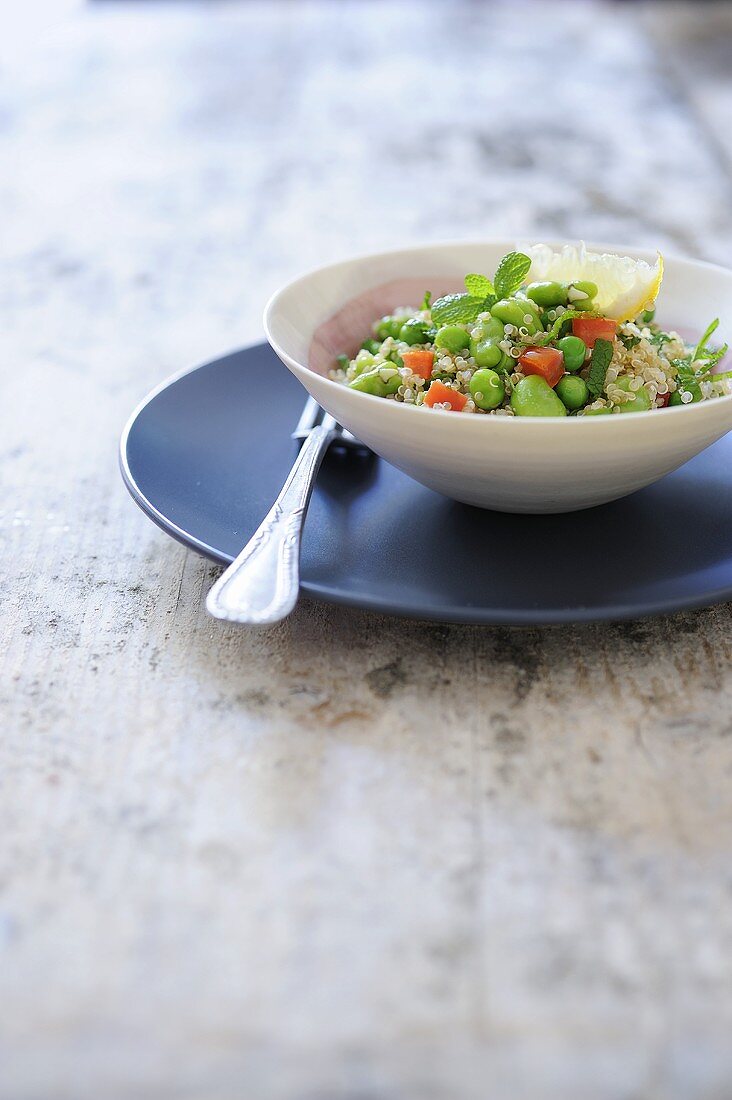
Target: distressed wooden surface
x=348, y=858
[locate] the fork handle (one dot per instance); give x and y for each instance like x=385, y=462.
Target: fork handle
x=262, y=583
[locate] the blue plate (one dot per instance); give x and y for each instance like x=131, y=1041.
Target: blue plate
x=205, y=455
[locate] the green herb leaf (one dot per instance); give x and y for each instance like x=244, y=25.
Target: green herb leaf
x=551, y=335
x=426, y=300
x=689, y=375
x=457, y=309
x=629, y=342
x=602, y=354
x=705, y=355
x=687, y=378
x=713, y=357
x=510, y=274
x=701, y=347
x=478, y=285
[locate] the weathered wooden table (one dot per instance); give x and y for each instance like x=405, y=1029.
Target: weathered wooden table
x=352, y=857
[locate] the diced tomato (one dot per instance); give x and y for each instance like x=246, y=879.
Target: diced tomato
x=664, y=398
x=590, y=329
x=442, y=394
x=546, y=362
x=419, y=362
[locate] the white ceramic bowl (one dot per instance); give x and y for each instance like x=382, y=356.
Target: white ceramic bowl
x=512, y=464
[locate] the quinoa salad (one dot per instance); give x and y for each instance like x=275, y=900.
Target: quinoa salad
x=521, y=346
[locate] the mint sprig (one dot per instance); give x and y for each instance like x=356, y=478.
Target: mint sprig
x=511, y=272
x=481, y=293
x=602, y=354
x=463, y=309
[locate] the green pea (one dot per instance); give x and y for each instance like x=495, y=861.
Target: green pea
x=364, y=361
x=489, y=329
x=640, y=403
x=572, y=391
x=582, y=286
x=574, y=351
x=507, y=311
x=512, y=311
x=587, y=286
x=533, y=396
x=379, y=382
x=486, y=389
x=414, y=332
x=393, y=381
x=530, y=309
x=647, y=316
x=522, y=299
x=548, y=293
x=487, y=353
x=597, y=412
x=452, y=338
x=389, y=326
x=371, y=345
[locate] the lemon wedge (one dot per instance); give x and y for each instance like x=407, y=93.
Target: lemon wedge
x=625, y=286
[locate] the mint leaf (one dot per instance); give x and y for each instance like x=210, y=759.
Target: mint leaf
x=684, y=370
x=510, y=274
x=458, y=309
x=703, y=352
x=478, y=285
x=602, y=354
x=701, y=347
x=686, y=378
x=426, y=300
x=713, y=357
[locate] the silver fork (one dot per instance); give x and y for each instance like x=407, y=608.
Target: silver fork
x=261, y=585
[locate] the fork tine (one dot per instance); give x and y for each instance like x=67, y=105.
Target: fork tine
x=309, y=417
x=313, y=414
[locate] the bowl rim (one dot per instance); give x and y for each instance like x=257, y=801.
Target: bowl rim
x=697, y=408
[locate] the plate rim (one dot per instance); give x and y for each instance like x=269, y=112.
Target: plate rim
x=469, y=616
